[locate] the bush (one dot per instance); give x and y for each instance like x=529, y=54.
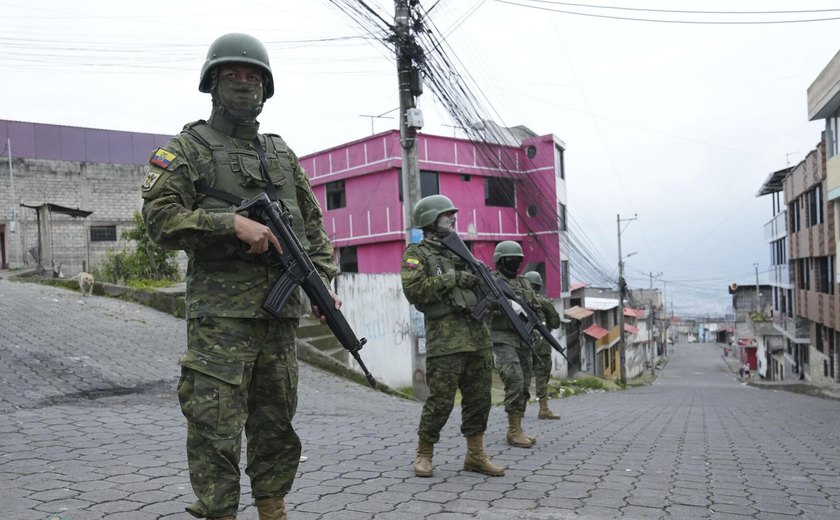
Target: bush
x=146, y=264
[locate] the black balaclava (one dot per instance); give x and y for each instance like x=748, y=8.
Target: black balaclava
x=509, y=265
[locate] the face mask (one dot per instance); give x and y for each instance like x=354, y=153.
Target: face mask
x=445, y=224
x=509, y=265
x=240, y=100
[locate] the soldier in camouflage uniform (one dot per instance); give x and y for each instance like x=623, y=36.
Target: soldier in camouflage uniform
x=512, y=357
x=240, y=369
x=458, y=354
x=542, y=358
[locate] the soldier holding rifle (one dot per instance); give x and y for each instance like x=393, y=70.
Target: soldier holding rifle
x=442, y=287
x=240, y=369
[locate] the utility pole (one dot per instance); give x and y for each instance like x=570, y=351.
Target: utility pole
x=651, y=323
x=409, y=56
x=757, y=295
x=621, y=288
x=13, y=224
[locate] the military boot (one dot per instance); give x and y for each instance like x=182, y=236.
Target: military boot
x=545, y=412
x=478, y=461
x=515, y=437
x=423, y=459
x=272, y=508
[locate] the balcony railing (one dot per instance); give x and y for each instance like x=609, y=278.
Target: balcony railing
x=776, y=228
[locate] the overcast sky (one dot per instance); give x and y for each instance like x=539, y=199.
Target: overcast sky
x=677, y=123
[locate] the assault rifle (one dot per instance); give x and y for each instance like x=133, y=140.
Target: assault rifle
x=491, y=289
x=532, y=319
x=299, y=271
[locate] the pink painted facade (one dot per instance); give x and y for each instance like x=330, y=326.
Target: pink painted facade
x=364, y=214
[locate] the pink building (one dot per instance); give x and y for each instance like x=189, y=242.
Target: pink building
x=502, y=192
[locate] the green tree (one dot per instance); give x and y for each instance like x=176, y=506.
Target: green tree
x=145, y=262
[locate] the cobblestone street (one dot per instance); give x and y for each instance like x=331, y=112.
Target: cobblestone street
x=90, y=430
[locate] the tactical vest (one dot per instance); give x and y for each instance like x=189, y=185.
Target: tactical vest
x=499, y=322
x=457, y=300
x=237, y=172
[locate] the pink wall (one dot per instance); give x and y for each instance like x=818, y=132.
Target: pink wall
x=372, y=219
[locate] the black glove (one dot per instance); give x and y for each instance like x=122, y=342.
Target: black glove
x=466, y=280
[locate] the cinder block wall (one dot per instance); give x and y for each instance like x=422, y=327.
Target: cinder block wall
x=110, y=191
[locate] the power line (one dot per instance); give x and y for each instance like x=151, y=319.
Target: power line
x=655, y=20
x=617, y=8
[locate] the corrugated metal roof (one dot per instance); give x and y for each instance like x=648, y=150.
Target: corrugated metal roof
x=596, y=331
x=773, y=183
x=631, y=329
x=578, y=313
x=633, y=313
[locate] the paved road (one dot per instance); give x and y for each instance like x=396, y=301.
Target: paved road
x=90, y=430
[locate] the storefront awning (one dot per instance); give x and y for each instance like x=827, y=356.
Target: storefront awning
x=633, y=313
x=578, y=313
x=596, y=331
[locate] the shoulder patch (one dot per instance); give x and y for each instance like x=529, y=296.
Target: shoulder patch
x=150, y=180
x=411, y=263
x=162, y=158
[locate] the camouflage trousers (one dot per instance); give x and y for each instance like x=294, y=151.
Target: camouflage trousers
x=470, y=372
x=542, y=367
x=239, y=374
x=514, y=367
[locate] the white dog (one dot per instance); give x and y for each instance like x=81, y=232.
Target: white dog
x=86, y=281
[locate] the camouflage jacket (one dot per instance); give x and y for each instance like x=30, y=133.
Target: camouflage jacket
x=222, y=280
x=500, y=327
x=547, y=312
x=429, y=280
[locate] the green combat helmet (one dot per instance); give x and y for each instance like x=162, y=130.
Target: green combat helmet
x=534, y=279
x=428, y=209
x=236, y=48
x=507, y=248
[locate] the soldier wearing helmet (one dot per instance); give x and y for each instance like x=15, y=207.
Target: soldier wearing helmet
x=542, y=358
x=239, y=370
x=458, y=347
x=513, y=358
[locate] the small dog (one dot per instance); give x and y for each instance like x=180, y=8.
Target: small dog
x=86, y=281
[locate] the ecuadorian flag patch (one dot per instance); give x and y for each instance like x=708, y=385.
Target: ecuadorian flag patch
x=411, y=263
x=162, y=158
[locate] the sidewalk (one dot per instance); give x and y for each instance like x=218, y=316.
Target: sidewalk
x=830, y=391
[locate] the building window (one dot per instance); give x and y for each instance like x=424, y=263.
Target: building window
x=559, y=164
x=347, y=260
x=336, y=196
x=832, y=125
x=103, y=233
x=564, y=275
x=561, y=216
x=816, y=212
x=499, y=191
x=794, y=216
x=805, y=274
x=818, y=337
x=429, y=183
x=824, y=266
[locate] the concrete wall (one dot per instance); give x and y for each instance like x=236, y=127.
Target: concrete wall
x=378, y=311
